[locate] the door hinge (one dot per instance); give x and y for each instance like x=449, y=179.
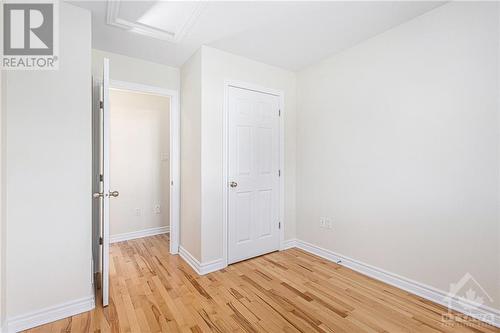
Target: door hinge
x=101, y=178
x=279, y=225
x=279, y=113
x=100, y=241
x=101, y=104
x=279, y=173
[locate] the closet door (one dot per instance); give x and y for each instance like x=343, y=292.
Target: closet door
x=254, y=185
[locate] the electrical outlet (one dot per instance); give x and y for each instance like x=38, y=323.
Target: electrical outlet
x=328, y=223
x=157, y=209
x=325, y=222
x=137, y=212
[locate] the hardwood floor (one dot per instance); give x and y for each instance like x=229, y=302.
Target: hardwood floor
x=289, y=291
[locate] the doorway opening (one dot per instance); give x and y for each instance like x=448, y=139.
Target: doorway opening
x=139, y=164
x=136, y=168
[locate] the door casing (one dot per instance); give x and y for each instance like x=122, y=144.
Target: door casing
x=225, y=160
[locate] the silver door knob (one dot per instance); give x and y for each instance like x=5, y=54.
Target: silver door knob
x=97, y=195
x=233, y=184
x=114, y=194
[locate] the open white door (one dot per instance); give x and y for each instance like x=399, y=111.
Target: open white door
x=104, y=193
x=105, y=183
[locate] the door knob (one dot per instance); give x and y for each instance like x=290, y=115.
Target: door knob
x=97, y=195
x=233, y=184
x=114, y=194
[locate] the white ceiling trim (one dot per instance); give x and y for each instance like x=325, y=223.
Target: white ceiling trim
x=113, y=19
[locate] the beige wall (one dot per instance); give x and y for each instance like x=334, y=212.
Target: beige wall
x=48, y=175
x=123, y=68
x=218, y=66
x=139, y=161
x=398, y=142
x=190, y=219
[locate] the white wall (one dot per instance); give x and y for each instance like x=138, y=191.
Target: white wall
x=218, y=66
x=48, y=175
x=190, y=219
x=398, y=142
x=139, y=161
x=123, y=68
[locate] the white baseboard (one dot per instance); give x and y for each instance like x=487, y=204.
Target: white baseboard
x=288, y=244
x=201, y=268
x=485, y=313
x=138, y=234
x=47, y=315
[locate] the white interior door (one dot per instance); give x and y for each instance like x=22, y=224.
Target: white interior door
x=105, y=182
x=101, y=188
x=254, y=159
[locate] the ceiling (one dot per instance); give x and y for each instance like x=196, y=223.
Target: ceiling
x=287, y=34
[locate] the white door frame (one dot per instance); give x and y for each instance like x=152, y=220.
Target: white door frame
x=174, y=157
x=225, y=160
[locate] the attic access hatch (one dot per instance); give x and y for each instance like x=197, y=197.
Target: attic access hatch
x=165, y=20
